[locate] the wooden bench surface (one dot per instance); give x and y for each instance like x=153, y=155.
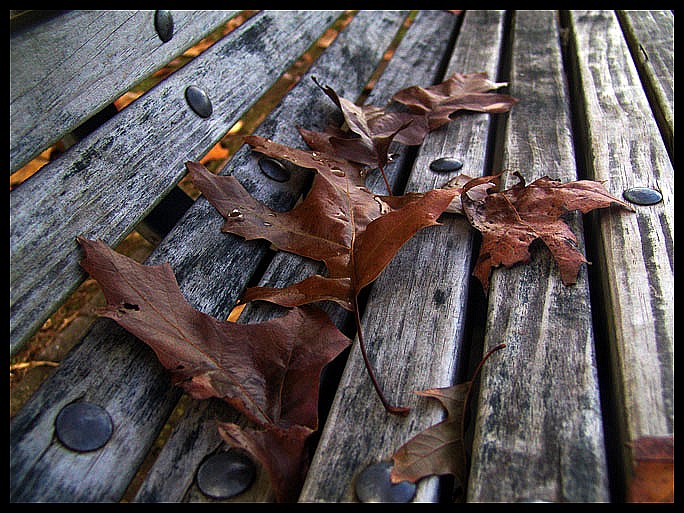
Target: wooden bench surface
x=587, y=368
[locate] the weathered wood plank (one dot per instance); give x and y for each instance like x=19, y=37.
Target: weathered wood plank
x=296, y=108
x=635, y=251
x=212, y=270
x=538, y=433
x=650, y=35
x=429, y=278
x=103, y=186
x=67, y=68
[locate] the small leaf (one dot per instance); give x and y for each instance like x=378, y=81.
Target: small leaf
x=439, y=449
x=653, y=470
x=468, y=91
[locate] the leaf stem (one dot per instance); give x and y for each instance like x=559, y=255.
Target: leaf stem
x=395, y=410
x=384, y=177
x=470, y=384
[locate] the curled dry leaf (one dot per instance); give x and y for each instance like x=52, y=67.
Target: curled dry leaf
x=353, y=231
x=269, y=371
x=429, y=108
x=512, y=219
x=469, y=91
x=440, y=449
x=340, y=222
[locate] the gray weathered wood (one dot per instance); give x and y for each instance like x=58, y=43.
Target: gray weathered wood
x=538, y=433
x=650, y=35
x=429, y=278
x=635, y=258
x=296, y=108
x=212, y=270
x=67, y=68
x=108, y=182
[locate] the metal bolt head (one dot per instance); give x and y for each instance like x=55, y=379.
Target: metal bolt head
x=643, y=196
x=163, y=24
x=83, y=426
x=274, y=169
x=373, y=485
x=198, y=101
x=446, y=165
x=225, y=474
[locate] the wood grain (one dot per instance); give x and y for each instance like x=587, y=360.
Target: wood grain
x=538, y=433
x=650, y=36
x=65, y=69
x=103, y=186
x=635, y=251
x=429, y=278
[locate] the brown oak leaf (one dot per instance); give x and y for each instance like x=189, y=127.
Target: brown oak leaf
x=340, y=222
x=439, y=449
x=269, y=371
x=469, y=91
x=511, y=220
x=353, y=231
x=429, y=108
x=375, y=127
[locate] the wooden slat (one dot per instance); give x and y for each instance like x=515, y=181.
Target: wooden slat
x=420, y=51
x=429, y=278
x=635, y=251
x=118, y=372
x=67, y=68
x=108, y=182
x=650, y=35
x=538, y=433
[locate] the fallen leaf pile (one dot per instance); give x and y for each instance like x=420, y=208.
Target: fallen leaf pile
x=270, y=371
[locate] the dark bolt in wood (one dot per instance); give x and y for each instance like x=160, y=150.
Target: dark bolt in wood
x=83, y=426
x=446, y=164
x=198, y=101
x=643, y=196
x=274, y=170
x=225, y=474
x=163, y=24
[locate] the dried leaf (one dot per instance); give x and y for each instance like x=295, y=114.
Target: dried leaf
x=512, y=219
x=429, y=107
x=355, y=232
x=269, y=371
x=375, y=127
x=468, y=91
x=440, y=449
x=653, y=470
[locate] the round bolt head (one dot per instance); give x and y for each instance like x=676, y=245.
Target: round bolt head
x=643, y=196
x=225, y=474
x=446, y=165
x=83, y=426
x=374, y=485
x=163, y=24
x=199, y=101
